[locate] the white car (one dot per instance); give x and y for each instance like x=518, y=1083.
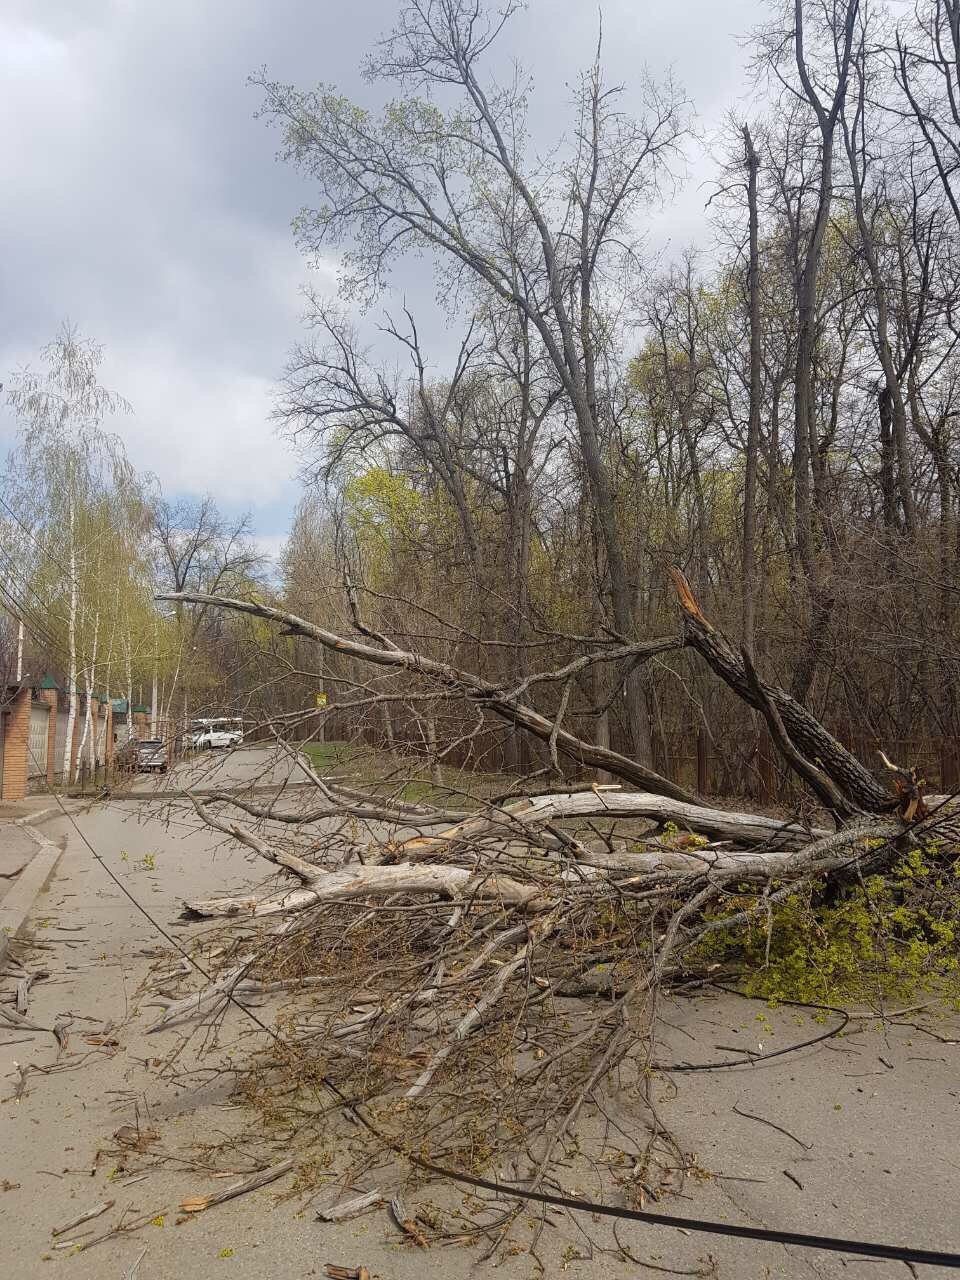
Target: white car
x=216, y=740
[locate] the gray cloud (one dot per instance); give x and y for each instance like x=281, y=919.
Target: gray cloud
x=142, y=199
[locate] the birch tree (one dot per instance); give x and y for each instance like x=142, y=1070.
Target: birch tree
x=79, y=503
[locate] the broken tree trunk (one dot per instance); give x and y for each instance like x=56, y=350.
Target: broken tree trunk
x=377, y=881
x=717, y=824
x=863, y=791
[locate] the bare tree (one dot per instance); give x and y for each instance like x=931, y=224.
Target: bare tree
x=547, y=240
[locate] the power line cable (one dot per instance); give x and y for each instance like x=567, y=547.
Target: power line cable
x=37, y=629
x=37, y=543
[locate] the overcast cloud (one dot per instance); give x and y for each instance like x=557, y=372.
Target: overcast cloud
x=142, y=200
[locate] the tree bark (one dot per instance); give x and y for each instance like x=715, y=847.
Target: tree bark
x=749, y=554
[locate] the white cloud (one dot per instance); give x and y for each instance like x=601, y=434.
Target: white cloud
x=271, y=546
x=200, y=430
x=142, y=200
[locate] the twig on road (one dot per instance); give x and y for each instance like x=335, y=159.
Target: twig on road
x=95, y=1212
x=197, y=1204
x=779, y=1128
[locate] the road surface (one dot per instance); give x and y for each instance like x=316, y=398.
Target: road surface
x=872, y=1121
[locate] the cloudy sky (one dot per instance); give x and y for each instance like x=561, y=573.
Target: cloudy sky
x=143, y=201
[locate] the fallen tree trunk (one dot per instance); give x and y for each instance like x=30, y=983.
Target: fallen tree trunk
x=858, y=784
x=376, y=881
x=718, y=824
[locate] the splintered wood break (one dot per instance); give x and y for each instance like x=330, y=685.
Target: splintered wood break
x=688, y=600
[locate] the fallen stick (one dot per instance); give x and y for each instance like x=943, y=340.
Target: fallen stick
x=197, y=1204
x=209, y=999
x=20, y=1022
x=124, y=1228
x=350, y=1208
x=779, y=1128
x=24, y=985
x=131, y=1273
x=407, y=1224
x=84, y=1217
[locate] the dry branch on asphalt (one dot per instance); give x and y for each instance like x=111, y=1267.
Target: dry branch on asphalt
x=197, y=1204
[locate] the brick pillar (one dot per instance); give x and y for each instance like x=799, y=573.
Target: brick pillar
x=16, y=742
x=49, y=696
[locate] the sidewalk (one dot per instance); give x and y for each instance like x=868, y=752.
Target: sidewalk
x=31, y=809
x=27, y=859
x=17, y=847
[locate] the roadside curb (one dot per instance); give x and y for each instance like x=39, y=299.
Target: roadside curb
x=40, y=816
x=21, y=897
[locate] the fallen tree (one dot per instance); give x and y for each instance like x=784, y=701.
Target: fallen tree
x=479, y=972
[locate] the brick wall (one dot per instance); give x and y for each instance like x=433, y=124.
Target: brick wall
x=16, y=740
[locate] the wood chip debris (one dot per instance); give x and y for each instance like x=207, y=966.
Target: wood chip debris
x=346, y=1273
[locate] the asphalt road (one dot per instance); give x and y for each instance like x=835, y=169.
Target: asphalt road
x=247, y=766
x=872, y=1121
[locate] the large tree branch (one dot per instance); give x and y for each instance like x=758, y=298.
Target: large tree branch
x=861, y=788
x=471, y=687
x=527, y=814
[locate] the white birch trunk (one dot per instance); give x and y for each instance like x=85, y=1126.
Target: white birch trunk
x=71, y=648
x=152, y=700
x=167, y=701
x=88, y=738
x=128, y=658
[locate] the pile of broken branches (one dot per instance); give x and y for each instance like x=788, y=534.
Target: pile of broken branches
x=479, y=976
